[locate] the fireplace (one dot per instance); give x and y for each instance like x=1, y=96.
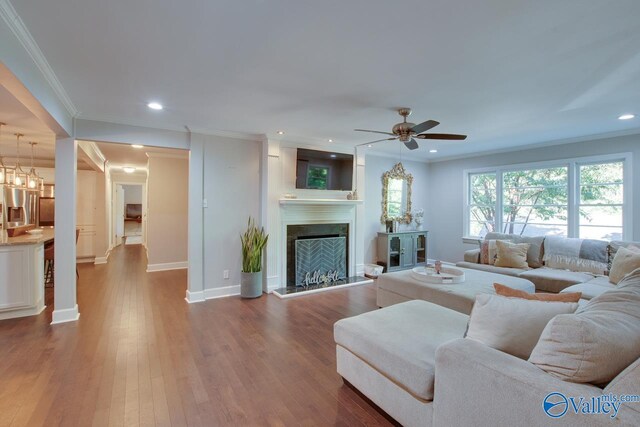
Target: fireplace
x=317, y=254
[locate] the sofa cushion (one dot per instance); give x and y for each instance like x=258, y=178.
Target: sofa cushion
x=535, y=252
x=592, y=288
x=515, y=272
x=512, y=325
x=576, y=254
x=386, y=340
x=512, y=255
x=488, y=252
x=554, y=280
x=625, y=261
x=597, y=342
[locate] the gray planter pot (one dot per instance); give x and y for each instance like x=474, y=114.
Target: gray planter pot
x=251, y=285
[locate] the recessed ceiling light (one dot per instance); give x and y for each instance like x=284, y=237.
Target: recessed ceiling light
x=626, y=117
x=330, y=140
x=129, y=169
x=433, y=151
x=280, y=132
x=369, y=146
x=137, y=146
x=155, y=106
x=333, y=156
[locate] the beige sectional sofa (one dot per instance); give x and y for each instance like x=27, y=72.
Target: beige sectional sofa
x=412, y=361
x=548, y=279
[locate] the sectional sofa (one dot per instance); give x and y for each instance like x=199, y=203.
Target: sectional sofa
x=586, y=275
x=412, y=361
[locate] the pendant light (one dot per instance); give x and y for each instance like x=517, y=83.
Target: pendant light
x=33, y=179
x=19, y=177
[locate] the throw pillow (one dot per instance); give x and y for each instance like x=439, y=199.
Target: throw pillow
x=488, y=252
x=512, y=255
x=506, y=291
x=596, y=343
x=626, y=260
x=512, y=325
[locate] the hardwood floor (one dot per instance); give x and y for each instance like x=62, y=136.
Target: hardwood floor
x=140, y=355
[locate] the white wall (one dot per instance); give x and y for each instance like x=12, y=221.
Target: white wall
x=232, y=190
x=375, y=167
x=132, y=194
x=445, y=214
x=167, y=211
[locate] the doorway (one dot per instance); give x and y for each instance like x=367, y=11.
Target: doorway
x=129, y=207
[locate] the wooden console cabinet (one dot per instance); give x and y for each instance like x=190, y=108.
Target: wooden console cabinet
x=403, y=250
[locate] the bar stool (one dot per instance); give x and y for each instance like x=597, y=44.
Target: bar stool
x=49, y=262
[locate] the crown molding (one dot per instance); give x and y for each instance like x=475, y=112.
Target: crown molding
x=19, y=29
x=586, y=138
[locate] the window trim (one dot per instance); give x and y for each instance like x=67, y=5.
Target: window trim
x=573, y=192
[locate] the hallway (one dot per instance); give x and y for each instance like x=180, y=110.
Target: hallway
x=140, y=355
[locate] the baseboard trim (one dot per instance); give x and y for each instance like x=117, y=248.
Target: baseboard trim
x=64, y=316
x=194, y=297
x=103, y=259
x=86, y=260
x=151, y=268
x=225, y=291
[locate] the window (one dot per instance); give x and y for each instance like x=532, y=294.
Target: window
x=318, y=177
x=535, y=201
x=601, y=200
x=482, y=203
x=576, y=198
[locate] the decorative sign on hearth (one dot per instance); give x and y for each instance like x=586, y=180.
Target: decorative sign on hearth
x=322, y=260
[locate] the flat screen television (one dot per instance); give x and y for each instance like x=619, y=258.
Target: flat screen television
x=323, y=170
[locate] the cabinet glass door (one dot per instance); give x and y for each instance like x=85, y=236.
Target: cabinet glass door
x=421, y=249
x=407, y=251
x=395, y=248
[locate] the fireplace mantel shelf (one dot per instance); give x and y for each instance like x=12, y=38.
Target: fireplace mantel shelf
x=340, y=202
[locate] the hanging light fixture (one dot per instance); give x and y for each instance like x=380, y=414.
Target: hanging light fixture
x=33, y=179
x=18, y=177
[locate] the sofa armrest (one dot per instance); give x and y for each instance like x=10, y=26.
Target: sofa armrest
x=472, y=255
x=476, y=385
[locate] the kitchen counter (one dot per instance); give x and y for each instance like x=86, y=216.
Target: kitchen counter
x=29, y=239
x=22, y=274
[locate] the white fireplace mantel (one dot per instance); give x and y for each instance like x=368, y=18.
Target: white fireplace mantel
x=337, y=202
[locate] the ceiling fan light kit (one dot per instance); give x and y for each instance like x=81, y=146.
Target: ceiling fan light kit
x=406, y=132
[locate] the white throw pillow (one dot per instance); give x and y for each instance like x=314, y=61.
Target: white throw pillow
x=512, y=325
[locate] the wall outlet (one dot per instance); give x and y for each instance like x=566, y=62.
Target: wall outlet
x=225, y=274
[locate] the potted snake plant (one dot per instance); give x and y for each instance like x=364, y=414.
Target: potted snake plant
x=253, y=242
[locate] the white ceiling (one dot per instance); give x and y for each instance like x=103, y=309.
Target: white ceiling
x=19, y=119
x=121, y=155
x=505, y=72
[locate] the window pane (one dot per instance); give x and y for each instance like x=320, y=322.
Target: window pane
x=610, y=216
x=602, y=173
x=601, y=233
x=535, y=201
x=531, y=229
x=482, y=203
x=479, y=229
x=601, y=194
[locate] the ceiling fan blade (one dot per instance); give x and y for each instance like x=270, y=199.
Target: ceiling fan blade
x=449, y=136
x=421, y=127
x=378, y=140
x=411, y=145
x=373, y=131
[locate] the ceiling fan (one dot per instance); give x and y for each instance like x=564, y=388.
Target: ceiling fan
x=407, y=131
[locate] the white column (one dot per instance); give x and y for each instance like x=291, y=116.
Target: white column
x=360, y=214
x=195, y=287
x=65, y=306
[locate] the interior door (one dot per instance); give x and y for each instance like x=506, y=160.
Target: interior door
x=119, y=214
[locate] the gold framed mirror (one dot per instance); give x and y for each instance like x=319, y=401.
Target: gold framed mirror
x=396, y=195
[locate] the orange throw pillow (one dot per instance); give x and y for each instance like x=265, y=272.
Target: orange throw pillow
x=506, y=291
